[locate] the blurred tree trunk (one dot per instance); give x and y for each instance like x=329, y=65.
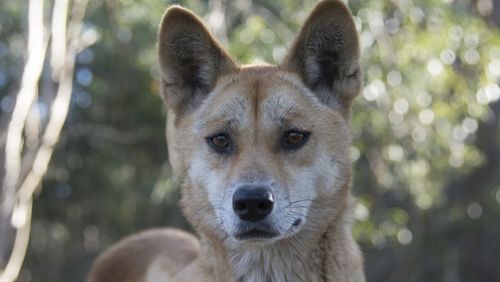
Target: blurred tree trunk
x=30, y=142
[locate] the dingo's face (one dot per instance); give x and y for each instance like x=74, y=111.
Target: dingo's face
x=263, y=151
x=263, y=148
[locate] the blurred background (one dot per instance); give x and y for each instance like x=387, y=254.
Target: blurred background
x=89, y=118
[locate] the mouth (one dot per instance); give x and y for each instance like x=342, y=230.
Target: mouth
x=265, y=232
x=256, y=234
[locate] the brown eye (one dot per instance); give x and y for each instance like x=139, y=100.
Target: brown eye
x=294, y=139
x=220, y=142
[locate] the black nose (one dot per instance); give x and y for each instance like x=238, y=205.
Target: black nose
x=253, y=203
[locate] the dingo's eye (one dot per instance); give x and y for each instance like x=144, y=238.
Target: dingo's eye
x=294, y=139
x=220, y=142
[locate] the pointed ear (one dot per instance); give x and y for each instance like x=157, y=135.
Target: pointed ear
x=326, y=54
x=191, y=59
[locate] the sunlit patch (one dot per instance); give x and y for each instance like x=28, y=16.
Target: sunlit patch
x=394, y=78
x=426, y=116
x=456, y=160
x=456, y=32
x=361, y=212
x=458, y=133
x=404, y=236
x=474, y=210
x=395, y=117
x=358, y=23
x=481, y=97
x=395, y=152
x=392, y=26
x=376, y=21
x=124, y=34
x=424, y=201
x=19, y=215
x=355, y=154
x=424, y=99
x=484, y=7
x=488, y=94
x=374, y=90
x=7, y=103
x=84, y=77
x=471, y=41
x=417, y=14
x=418, y=168
x=388, y=228
x=378, y=240
x=492, y=92
x=457, y=147
x=267, y=36
x=435, y=67
x=366, y=39
x=494, y=67
x=91, y=238
x=3, y=79
x=279, y=53
x=419, y=134
x=401, y=106
x=86, y=56
x=246, y=36
x=469, y=125
x=447, y=56
x=472, y=57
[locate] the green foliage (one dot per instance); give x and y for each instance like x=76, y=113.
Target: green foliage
x=425, y=129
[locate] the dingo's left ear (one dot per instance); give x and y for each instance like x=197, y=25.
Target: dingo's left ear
x=326, y=54
x=191, y=59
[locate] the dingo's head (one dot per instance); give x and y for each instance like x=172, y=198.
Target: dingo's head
x=263, y=151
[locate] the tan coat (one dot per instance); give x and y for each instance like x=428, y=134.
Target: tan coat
x=285, y=128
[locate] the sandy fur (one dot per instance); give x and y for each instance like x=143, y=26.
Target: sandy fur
x=206, y=92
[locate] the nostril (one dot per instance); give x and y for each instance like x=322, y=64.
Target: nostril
x=265, y=206
x=240, y=207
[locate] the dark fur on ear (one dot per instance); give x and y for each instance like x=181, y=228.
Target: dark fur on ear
x=326, y=54
x=191, y=59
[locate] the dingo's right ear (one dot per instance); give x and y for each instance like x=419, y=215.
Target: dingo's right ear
x=191, y=59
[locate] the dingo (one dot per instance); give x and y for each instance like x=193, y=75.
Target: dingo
x=263, y=153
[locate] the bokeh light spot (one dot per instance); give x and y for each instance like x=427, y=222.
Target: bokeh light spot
x=494, y=67
x=401, y=106
x=474, y=210
x=394, y=78
x=472, y=57
x=447, y=56
x=419, y=134
x=469, y=125
x=426, y=116
x=424, y=201
x=392, y=26
x=405, y=236
x=84, y=77
x=361, y=212
x=424, y=99
x=355, y=154
x=435, y=67
x=267, y=36
x=378, y=240
x=396, y=153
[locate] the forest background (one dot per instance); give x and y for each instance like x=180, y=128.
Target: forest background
x=426, y=130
